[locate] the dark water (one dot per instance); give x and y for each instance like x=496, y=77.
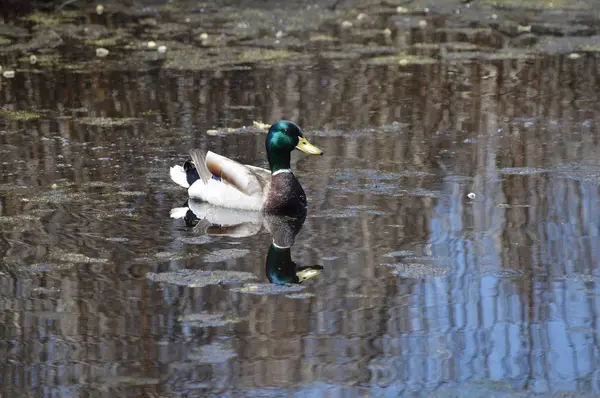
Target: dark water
x=455, y=215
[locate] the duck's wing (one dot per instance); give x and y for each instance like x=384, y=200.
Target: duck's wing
x=200, y=162
x=249, y=180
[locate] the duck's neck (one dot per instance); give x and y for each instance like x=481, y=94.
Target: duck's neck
x=279, y=161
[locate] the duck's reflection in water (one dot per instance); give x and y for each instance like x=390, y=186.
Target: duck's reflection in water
x=220, y=221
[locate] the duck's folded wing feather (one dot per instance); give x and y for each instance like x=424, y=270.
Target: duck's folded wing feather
x=241, y=177
x=200, y=163
x=263, y=176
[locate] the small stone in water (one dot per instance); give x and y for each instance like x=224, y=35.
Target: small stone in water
x=101, y=52
x=346, y=24
x=99, y=9
x=9, y=74
x=162, y=49
x=151, y=44
x=33, y=59
x=471, y=195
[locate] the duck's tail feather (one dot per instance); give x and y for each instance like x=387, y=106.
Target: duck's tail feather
x=200, y=162
x=179, y=176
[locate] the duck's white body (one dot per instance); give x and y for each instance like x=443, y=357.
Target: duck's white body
x=225, y=182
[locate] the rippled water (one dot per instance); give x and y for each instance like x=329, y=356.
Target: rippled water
x=455, y=215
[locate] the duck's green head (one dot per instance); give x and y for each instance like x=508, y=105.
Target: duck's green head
x=283, y=138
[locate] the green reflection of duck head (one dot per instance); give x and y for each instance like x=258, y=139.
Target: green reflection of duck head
x=218, y=221
x=279, y=265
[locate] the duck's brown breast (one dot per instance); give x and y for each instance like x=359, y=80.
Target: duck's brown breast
x=285, y=196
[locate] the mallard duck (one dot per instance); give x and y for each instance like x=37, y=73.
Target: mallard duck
x=224, y=182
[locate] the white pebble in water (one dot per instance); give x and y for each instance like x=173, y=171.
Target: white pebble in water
x=471, y=195
x=151, y=44
x=162, y=49
x=101, y=52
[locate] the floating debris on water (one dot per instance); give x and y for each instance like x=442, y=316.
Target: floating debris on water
x=261, y=125
x=99, y=9
x=416, y=270
x=471, y=195
x=101, y=52
x=524, y=28
x=522, y=170
x=267, y=288
x=225, y=254
x=400, y=253
x=9, y=74
x=33, y=59
x=197, y=278
x=509, y=206
x=300, y=296
x=206, y=319
x=72, y=257
x=162, y=49
x=196, y=240
x=107, y=121
x=151, y=44
x=214, y=353
x=346, y=24
x=20, y=115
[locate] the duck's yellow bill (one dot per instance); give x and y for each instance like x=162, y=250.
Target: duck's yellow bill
x=307, y=147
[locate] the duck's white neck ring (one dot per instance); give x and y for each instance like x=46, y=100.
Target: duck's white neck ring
x=280, y=247
x=281, y=171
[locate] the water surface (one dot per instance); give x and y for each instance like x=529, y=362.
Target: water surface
x=455, y=215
